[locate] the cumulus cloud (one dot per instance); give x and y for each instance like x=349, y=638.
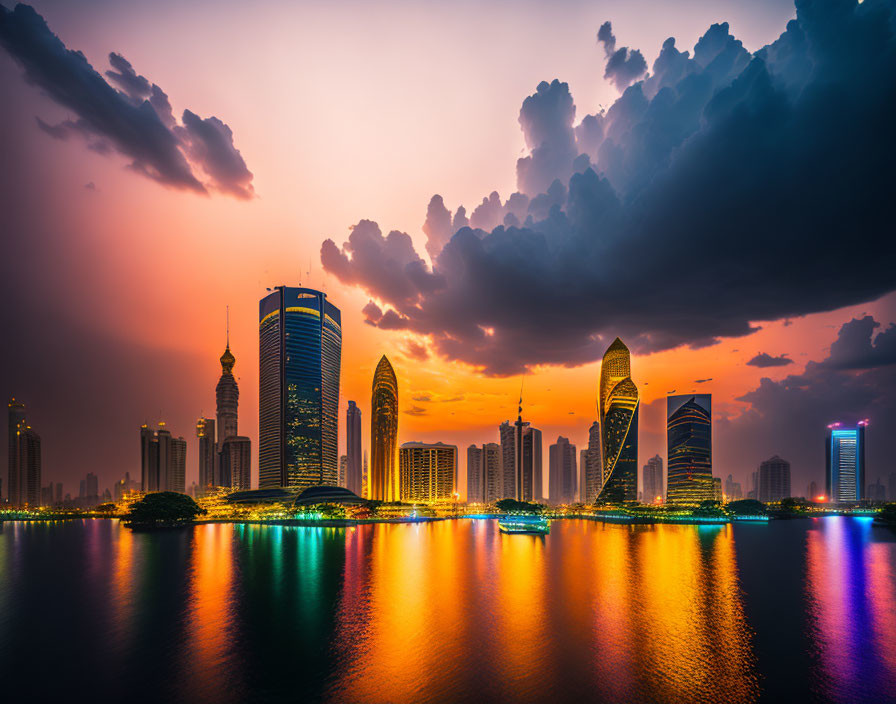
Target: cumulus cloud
x=624, y=65
x=134, y=120
x=717, y=195
x=764, y=360
x=854, y=347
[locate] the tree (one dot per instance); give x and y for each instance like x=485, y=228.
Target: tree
x=514, y=506
x=105, y=508
x=746, y=507
x=163, y=509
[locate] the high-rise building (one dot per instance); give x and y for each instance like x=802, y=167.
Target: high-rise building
x=591, y=466
x=774, y=480
x=428, y=472
x=562, y=472
x=812, y=491
x=236, y=463
x=162, y=460
x=507, y=436
x=384, y=481
x=532, y=462
x=177, y=469
x=353, y=448
x=652, y=481
x=580, y=494
x=717, y=494
x=24, y=483
x=208, y=453
x=343, y=470
x=475, y=475
x=119, y=489
x=227, y=396
x=618, y=406
x=732, y=489
x=876, y=491
x=90, y=487
x=491, y=469
x=365, y=478
x=689, y=449
x=300, y=348
x=845, y=463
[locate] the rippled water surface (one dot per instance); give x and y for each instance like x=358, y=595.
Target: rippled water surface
x=450, y=611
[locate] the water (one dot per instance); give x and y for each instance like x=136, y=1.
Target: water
x=450, y=611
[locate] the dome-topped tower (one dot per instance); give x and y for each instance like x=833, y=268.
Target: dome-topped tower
x=227, y=394
x=227, y=361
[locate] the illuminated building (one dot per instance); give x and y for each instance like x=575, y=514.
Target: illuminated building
x=353, y=478
x=428, y=472
x=162, y=460
x=590, y=470
x=717, y=494
x=236, y=463
x=733, y=490
x=521, y=460
x=365, y=488
x=774, y=480
x=90, y=488
x=119, y=489
x=507, y=435
x=475, y=475
x=384, y=482
x=24, y=481
x=177, y=470
x=618, y=407
x=300, y=348
x=227, y=397
x=208, y=451
x=652, y=481
x=812, y=491
x=343, y=469
x=845, y=463
x=689, y=449
x=562, y=474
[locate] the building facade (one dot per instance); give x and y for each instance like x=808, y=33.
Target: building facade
x=163, y=460
x=845, y=463
x=652, y=481
x=24, y=476
x=475, y=475
x=177, y=471
x=618, y=405
x=300, y=351
x=236, y=463
x=208, y=453
x=353, y=479
x=428, y=472
x=591, y=470
x=689, y=449
x=562, y=472
x=384, y=482
x=774, y=480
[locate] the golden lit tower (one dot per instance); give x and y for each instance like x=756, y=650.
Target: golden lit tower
x=384, y=482
x=619, y=426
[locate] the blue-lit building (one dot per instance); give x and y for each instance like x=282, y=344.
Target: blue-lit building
x=300, y=351
x=845, y=463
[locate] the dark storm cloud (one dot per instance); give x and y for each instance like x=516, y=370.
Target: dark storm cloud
x=789, y=416
x=624, y=65
x=764, y=360
x=135, y=121
x=726, y=191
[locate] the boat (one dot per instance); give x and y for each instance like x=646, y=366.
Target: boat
x=526, y=525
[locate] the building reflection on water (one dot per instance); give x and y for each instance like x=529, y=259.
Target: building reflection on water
x=451, y=611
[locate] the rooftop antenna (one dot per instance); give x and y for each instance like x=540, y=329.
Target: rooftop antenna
x=520, y=409
x=227, y=325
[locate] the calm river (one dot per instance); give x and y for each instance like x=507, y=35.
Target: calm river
x=450, y=611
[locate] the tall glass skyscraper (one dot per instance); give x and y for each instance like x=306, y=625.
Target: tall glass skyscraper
x=24, y=484
x=300, y=352
x=845, y=460
x=689, y=449
x=384, y=482
x=353, y=479
x=618, y=406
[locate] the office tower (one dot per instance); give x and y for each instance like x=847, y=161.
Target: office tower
x=689, y=449
x=732, y=489
x=562, y=472
x=236, y=463
x=717, y=494
x=90, y=486
x=475, y=475
x=812, y=491
x=384, y=481
x=208, y=453
x=652, y=481
x=353, y=448
x=428, y=472
x=365, y=481
x=227, y=396
x=580, y=494
x=177, y=471
x=845, y=463
x=876, y=491
x=618, y=407
x=533, y=460
x=343, y=470
x=507, y=436
x=162, y=460
x=491, y=469
x=300, y=348
x=592, y=468
x=24, y=484
x=774, y=480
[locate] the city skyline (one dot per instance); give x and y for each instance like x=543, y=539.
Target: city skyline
x=836, y=356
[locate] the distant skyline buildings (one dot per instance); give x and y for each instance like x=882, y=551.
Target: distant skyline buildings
x=689, y=449
x=591, y=466
x=774, y=480
x=618, y=407
x=845, y=462
x=300, y=351
x=24, y=469
x=427, y=472
x=562, y=472
x=353, y=478
x=208, y=452
x=384, y=482
x=162, y=459
x=652, y=481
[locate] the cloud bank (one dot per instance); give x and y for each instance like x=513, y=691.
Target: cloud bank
x=763, y=360
x=134, y=120
x=721, y=188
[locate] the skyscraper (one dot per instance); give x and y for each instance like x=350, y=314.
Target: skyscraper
x=652, y=481
x=428, y=471
x=732, y=489
x=162, y=460
x=774, y=480
x=591, y=466
x=24, y=483
x=845, y=463
x=300, y=348
x=475, y=475
x=689, y=449
x=384, y=479
x=562, y=472
x=353, y=448
x=227, y=396
x=507, y=436
x=177, y=471
x=618, y=405
x=208, y=453
x=343, y=470
x=491, y=468
x=236, y=463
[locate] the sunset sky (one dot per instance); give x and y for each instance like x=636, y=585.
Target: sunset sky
x=116, y=277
